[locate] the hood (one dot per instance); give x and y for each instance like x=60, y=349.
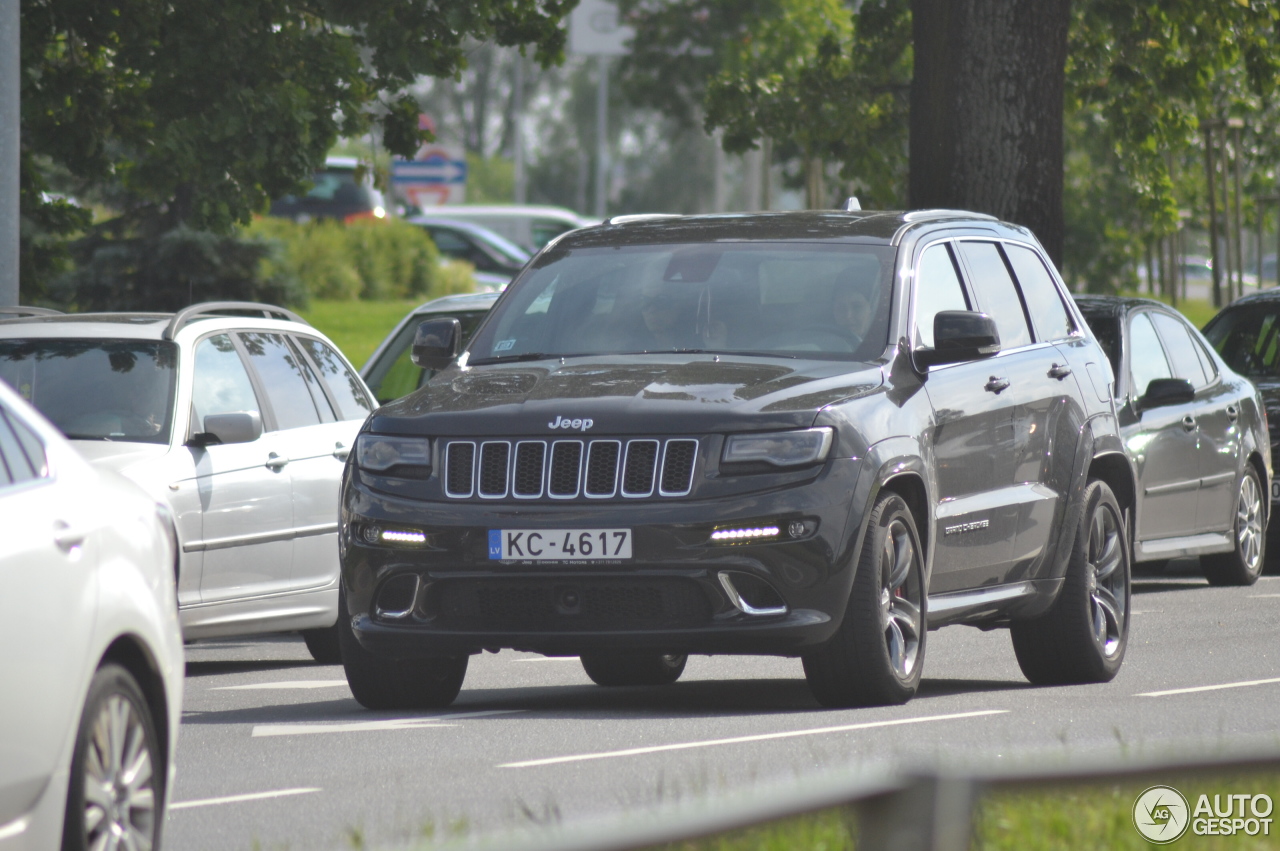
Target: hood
x=627, y=395
x=118, y=456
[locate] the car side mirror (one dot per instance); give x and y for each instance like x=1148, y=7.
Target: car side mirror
x=436, y=343
x=960, y=335
x=234, y=427
x=1162, y=392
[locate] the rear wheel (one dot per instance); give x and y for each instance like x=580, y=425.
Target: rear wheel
x=323, y=645
x=1083, y=636
x=377, y=682
x=117, y=769
x=878, y=653
x=1243, y=565
x=634, y=669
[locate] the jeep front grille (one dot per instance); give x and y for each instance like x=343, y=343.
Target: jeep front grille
x=569, y=469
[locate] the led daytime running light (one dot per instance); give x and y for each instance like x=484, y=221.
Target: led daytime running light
x=401, y=536
x=744, y=534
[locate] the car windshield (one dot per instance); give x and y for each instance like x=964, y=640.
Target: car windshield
x=778, y=299
x=1248, y=339
x=96, y=389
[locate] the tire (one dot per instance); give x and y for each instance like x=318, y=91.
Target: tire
x=1244, y=564
x=1083, y=636
x=118, y=772
x=323, y=645
x=389, y=683
x=633, y=669
x=877, y=656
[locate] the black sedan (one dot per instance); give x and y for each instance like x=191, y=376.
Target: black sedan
x=1196, y=431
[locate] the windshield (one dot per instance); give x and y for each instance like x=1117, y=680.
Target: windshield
x=1247, y=340
x=96, y=389
x=757, y=298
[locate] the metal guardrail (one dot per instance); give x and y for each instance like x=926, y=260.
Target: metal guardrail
x=896, y=810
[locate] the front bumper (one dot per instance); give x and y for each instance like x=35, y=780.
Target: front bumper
x=681, y=592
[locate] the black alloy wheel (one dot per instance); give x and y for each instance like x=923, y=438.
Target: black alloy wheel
x=1244, y=564
x=379, y=682
x=1083, y=636
x=117, y=784
x=633, y=669
x=877, y=656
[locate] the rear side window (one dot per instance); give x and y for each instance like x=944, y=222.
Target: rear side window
x=289, y=383
x=1182, y=349
x=938, y=288
x=1146, y=356
x=996, y=292
x=346, y=388
x=1044, y=303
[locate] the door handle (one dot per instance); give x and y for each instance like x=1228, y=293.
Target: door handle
x=340, y=452
x=1189, y=422
x=1233, y=413
x=996, y=384
x=276, y=462
x=1059, y=371
x=68, y=537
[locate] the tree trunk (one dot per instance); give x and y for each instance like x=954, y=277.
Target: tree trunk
x=986, y=110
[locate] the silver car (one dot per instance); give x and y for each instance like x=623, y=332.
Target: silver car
x=237, y=416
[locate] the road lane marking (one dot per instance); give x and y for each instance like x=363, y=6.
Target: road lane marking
x=1259, y=596
x=285, y=684
x=235, y=799
x=419, y=723
x=763, y=737
x=1208, y=688
x=549, y=659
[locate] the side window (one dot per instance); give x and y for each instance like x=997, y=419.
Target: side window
x=22, y=457
x=220, y=385
x=997, y=295
x=1146, y=356
x=1181, y=349
x=288, y=381
x=1044, y=303
x=348, y=392
x=938, y=288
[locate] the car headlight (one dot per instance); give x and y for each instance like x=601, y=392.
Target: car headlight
x=779, y=449
x=381, y=453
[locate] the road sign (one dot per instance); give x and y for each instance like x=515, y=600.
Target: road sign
x=437, y=176
x=594, y=30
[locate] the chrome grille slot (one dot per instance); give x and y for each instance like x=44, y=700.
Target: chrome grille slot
x=531, y=456
x=495, y=456
x=602, y=468
x=640, y=468
x=459, y=477
x=565, y=469
x=677, y=467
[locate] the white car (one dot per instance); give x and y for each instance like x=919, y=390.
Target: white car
x=240, y=423
x=531, y=226
x=90, y=649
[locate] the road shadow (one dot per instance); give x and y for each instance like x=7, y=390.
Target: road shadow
x=1153, y=586
x=213, y=667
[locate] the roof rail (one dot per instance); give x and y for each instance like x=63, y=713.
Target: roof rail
x=209, y=309
x=929, y=215
x=639, y=217
x=23, y=310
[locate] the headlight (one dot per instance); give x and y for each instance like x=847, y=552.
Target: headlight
x=380, y=453
x=779, y=449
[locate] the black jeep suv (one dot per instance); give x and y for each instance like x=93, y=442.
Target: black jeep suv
x=814, y=434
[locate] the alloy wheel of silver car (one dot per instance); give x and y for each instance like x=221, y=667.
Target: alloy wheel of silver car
x=899, y=600
x=1244, y=563
x=1249, y=523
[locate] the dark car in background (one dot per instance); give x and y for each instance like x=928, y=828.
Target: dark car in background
x=812, y=434
x=490, y=253
x=342, y=190
x=1196, y=431
x=390, y=371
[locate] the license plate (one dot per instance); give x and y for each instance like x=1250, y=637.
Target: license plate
x=559, y=544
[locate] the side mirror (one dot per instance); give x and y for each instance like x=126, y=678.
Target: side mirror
x=235, y=427
x=960, y=335
x=1162, y=392
x=436, y=343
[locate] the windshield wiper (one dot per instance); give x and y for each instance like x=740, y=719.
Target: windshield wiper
x=525, y=357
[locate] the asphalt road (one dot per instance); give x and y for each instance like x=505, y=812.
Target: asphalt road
x=274, y=752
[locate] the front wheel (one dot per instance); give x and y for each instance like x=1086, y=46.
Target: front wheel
x=633, y=669
x=378, y=682
x=324, y=645
x=117, y=769
x=876, y=656
x=1083, y=636
x=1243, y=565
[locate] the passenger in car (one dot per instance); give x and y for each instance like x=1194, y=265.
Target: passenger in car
x=851, y=309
